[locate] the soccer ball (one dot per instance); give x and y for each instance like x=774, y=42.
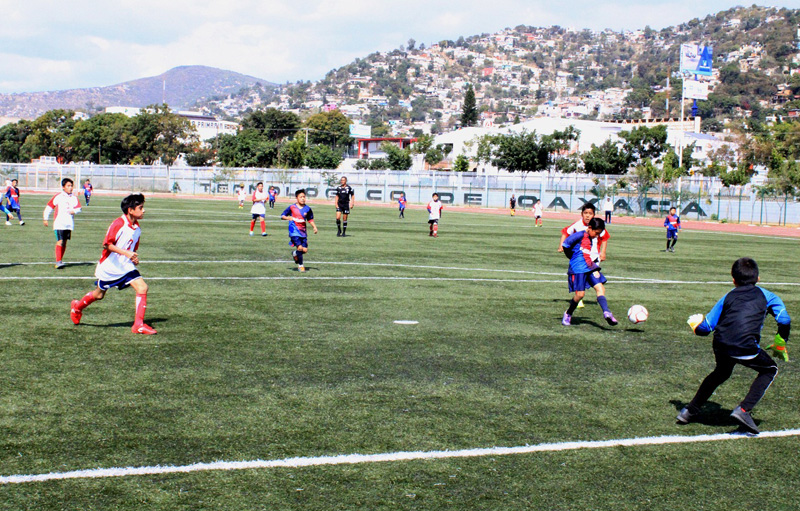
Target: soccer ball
x=637, y=314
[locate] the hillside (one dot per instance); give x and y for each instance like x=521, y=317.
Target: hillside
x=185, y=85
x=525, y=71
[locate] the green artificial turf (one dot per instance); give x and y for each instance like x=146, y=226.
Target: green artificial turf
x=254, y=360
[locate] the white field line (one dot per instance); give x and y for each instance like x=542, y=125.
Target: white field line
x=615, y=279
x=355, y=459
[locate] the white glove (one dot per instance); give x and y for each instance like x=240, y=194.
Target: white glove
x=694, y=320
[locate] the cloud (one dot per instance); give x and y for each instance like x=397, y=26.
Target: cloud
x=86, y=43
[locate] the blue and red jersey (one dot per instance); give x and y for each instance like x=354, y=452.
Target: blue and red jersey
x=297, y=225
x=578, y=247
x=12, y=194
x=272, y=194
x=87, y=189
x=402, y=202
x=672, y=223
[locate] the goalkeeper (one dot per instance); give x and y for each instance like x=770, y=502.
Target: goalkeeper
x=736, y=321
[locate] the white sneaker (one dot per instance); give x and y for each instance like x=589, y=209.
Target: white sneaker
x=251, y=233
x=21, y=222
x=8, y=223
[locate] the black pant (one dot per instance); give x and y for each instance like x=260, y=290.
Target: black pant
x=608, y=216
x=763, y=364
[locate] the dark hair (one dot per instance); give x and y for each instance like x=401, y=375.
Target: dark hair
x=132, y=201
x=597, y=224
x=260, y=183
x=298, y=192
x=673, y=207
x=65, y=181
x=434, y=194
x=15, y=179
x=588, y=205
x=745, y=271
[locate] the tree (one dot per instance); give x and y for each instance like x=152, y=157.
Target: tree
x=329, y=128
x=200, y=157
x=272, y=123
x=461, y=164
x=12, y=136
x=469, y=112
x=642, y=142
x=322, y=157
x=396, y=158
x=292, y=154
x=607, y=158
x=521, y=152
x=158, y=134
x=49, y=136
x=104, y=138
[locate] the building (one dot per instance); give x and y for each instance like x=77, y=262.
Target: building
x=207, y=126
x=371, y=147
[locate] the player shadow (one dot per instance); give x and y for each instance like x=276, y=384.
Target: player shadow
x=150, y=321
x=9, y=265
x=712, y=414
x=70, y=265
x=308, y=269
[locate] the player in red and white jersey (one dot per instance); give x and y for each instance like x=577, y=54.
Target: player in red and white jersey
x=259, y=210
x=435, y=208
x=598, y=252
x=66, y=206
x=598, y=245
x=117, y=265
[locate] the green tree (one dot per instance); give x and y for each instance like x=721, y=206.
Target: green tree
x=292, y=154
x=49, y=136
x=396, y=158
x=521, y=152
x=159, y=134
x=322, y=157
x=272, y=123
x=469, y=112
x=104, y=138
x=607, y=158
x=329, y=128
x=461, y=164
x=643, y=143
x=12, y=136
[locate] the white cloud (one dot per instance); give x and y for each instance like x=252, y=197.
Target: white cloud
x=100, y=43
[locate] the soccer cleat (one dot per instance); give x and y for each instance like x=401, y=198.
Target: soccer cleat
x=301, y=269
x=8, y=223
x=59, y=265
x=745, y=419
x=143, y=329
x=610, y=319
x=566, y=320
x=435, y=235
x=21, y=222
x=685, y=417
x=580, y=305
x=263, y=234
x=251, y=233
x=74, y=313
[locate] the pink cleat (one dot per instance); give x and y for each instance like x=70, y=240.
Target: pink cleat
x=144, y=329
x=74, y=313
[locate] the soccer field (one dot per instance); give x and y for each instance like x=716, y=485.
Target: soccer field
x=255, y=361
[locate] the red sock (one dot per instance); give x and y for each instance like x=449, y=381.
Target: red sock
x=59, y=252
x=435, y=229
x=252, y=224
x=86, y=300
x=141, y=305
x=263, y=226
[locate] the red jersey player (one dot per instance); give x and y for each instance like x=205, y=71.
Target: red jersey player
x=66, y=207
x=117, y=265
x=598, y=251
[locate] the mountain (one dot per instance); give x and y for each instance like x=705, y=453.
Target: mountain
x=522, y=72
x=180, y=88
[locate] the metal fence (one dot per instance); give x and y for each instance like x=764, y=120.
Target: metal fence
x=698, y=197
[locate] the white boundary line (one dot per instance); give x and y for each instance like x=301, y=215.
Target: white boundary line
x=615, y=279
x=354, y=459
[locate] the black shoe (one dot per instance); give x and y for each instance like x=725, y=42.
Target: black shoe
x=338, y=234
x=745, y=419
x=685, y=417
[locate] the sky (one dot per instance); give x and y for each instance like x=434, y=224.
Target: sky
x=47, y=45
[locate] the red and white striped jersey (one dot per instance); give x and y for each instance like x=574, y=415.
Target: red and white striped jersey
x=580, y=226
x=62, y=203
x=122, y=234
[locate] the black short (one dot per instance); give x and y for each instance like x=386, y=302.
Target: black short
x=343, y=209
x=64, y=235
x=433, y=221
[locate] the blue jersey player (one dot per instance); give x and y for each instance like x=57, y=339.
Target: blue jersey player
x=583, y=272
x=298, y=215
x=673, y=225
x=736, y=321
